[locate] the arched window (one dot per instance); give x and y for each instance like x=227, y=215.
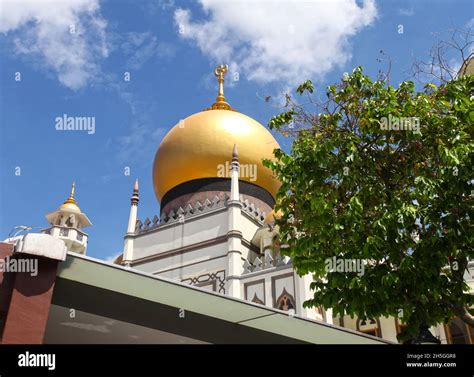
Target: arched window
x=369, y=326
x=286, y=301
x=257, y=300
x=70, y=222
x=58, y=220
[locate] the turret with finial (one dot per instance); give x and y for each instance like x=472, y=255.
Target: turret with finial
x=67, y=223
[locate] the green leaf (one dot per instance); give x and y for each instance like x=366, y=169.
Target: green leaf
x=306, y=86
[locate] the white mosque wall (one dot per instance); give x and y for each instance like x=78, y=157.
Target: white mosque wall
x=304, y=293
x=195, y=252
x=189, y=263
x=270, y=286
x=389, y=329
x=248, y=226
x=181, y=234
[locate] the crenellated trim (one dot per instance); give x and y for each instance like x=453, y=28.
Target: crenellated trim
x=252, y=210
x=180, y=215
x=260, y=264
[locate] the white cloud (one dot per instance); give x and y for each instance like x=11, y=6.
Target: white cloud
x=143, y=135
x=156, y=6
x=277, y=41
x=406, y=11
x=140, y=143
x=141, y=47
x=41, y=30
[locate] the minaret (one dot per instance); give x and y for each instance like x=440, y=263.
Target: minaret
x=132, y=221
x=67, y=223
x=234, y=235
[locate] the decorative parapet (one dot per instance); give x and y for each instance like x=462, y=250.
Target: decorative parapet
x=190, y=210
x=252, y=210
x=265, y=263
x=62, y=231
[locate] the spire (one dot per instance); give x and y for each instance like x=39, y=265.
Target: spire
x=235, y=154
x=234, y=175
x=235, y=157
x=135, y=197
x=71, y=201
x=221, y=103
x=234, y=231
x=132, y=223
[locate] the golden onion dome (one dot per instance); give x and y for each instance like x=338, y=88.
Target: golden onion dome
x=201, y=145
x=467, y=67
x=70, y=203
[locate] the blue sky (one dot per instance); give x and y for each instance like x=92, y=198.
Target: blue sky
x=169, y=48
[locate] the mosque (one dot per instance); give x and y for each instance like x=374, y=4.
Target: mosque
x=215, y=231
x=209, y=262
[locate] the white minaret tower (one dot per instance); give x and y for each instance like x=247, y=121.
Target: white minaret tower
x=234, y=235
x=132, y=221
x=67, y=223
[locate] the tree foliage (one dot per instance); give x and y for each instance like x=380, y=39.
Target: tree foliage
x=400, y=200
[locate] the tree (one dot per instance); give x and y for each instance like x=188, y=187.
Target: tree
x=451, y=48
x=381, y=175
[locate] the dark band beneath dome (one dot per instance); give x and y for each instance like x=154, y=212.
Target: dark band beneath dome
x=216, y=184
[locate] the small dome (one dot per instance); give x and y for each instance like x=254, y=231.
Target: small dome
x=70, y=206
x=70, y=203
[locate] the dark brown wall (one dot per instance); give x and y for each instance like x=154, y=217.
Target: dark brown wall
x=30, y=302
x=6, y=285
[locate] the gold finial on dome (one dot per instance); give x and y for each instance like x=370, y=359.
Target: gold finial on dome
x=221, y=103
x=70, y=202
x=220, y=72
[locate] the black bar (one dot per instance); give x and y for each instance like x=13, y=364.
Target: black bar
x=240, y=360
